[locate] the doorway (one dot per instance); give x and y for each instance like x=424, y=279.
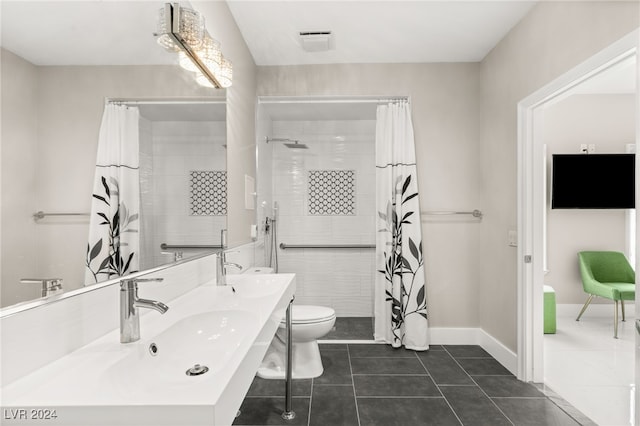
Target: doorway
x=532, y=197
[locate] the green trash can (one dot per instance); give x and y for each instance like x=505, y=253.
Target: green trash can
x=549, y=310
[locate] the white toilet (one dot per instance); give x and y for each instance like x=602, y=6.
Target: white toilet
x=309, y=323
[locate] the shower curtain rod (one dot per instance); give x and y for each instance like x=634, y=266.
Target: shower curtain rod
x=334, y=101
x=164, y=101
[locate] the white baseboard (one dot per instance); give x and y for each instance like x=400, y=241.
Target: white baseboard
x=475, y=336
x=594, y=309
x=500, y=352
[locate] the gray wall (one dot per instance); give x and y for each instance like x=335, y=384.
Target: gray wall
x=19, y=151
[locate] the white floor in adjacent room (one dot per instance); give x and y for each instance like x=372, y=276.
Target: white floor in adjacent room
x=590, y=369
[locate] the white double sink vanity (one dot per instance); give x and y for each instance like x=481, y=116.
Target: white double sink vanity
x=192, y=365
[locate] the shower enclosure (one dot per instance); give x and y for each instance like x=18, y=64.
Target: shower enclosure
x=316, y=204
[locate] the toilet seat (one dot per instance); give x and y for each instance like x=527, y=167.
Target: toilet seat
x=310, y=314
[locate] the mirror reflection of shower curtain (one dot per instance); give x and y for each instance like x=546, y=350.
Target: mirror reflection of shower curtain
x=113, y=245
x=400, y=292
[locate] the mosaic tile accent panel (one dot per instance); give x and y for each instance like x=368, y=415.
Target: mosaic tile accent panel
x=208, y=194
x=332, y=192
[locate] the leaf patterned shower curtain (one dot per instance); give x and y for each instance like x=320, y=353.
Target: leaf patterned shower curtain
x=400, y=293
x=113, y=246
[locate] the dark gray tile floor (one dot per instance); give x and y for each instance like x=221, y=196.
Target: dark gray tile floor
x=351, y=328
x=370, y=385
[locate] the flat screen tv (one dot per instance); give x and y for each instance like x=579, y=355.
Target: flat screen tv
x=593, y=181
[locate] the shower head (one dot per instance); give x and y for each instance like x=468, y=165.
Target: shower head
x=289, y=143
x=296, y=145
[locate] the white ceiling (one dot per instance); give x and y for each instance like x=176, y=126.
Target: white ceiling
x=97, y=32
x=392, y=31
x=85, y=32
x=115, y=32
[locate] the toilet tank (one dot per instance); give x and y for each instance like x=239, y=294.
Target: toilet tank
x=259, y=270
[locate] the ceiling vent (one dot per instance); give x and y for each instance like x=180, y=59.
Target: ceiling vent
x=316, y=41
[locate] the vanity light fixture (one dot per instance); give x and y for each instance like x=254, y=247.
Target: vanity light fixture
x=182, y=30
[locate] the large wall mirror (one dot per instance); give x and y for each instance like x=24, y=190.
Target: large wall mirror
x=62, y=62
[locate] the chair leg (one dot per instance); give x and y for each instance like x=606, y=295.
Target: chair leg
x=585, y=306
x=622, y=306
x=615, y=320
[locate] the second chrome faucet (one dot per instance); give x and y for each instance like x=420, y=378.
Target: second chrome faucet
x=129, y=304
x=221, y=268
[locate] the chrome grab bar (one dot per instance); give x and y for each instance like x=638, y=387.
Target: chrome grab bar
x=474, y=213
x=284, y=246
x=288, y=413
x=165, y=246
x=41, y=215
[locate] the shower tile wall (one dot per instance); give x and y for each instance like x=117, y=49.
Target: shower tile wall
x=264, y=185
x=339, y=278
x=179, y=148
x=146, y=202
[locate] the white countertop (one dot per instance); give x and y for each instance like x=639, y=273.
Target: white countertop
x=106, y=382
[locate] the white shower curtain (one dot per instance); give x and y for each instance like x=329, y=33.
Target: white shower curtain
x=400, y=293
x=113, y=246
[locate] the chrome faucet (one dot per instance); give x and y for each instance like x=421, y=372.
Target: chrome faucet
x=129, y=304
x=221, y=268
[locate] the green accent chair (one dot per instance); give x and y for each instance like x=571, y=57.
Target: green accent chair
x=607, y=274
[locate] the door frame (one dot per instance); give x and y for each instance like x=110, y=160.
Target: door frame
x=532, y=200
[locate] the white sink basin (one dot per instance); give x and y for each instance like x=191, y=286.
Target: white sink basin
x=252, y=286
x=207, y=340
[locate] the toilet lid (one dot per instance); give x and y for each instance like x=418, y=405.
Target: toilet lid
x=304, y=314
